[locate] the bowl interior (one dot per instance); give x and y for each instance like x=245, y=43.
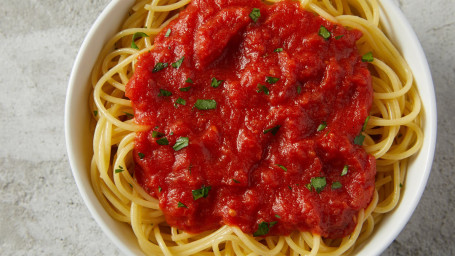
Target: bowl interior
x=79, y=139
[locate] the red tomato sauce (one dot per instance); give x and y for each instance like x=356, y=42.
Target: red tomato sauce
x=249, y=161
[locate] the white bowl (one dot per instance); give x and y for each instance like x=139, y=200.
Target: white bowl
x=79, y=144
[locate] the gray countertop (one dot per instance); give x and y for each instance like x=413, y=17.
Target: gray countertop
x=41, y=211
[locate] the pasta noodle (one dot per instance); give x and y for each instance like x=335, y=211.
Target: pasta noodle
x=393, y=134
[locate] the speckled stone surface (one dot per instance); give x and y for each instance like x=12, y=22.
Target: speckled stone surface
x=41, y=211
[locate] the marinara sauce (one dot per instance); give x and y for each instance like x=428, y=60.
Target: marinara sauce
x=254, y=110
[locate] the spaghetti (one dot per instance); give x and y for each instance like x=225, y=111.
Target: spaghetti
x=392, y=135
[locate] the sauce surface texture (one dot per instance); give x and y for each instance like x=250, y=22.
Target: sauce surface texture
x=253, y=120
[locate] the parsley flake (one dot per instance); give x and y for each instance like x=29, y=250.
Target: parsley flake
x=157, y=134
x=178, y=63
x=205, y=104
x=181, y=143
x=364, y=127
x=255, y=14
x=189, y=80
x=263, y=88
x=336, y=185
x=181, y=205
x=185, y=89
x=159, y=66
x=358, y=140
x=345, y=170
x=278, y=216
x=282, y=167
x=278, y=50
x=299, y=89
x=215, y=83
x=163, y=141
x=137, y=35
x=318, y=183
x=235, y=181
x=159, y=189
x=141, y=155
x=128, y=114
x=272, y=130
x=339, y=37
x=164, y=93
x=203, y=192
x=324, y=33
x=271, y=79
x=180, y=101
x=368, y=57
x=264, y=228
x=119, y=169
x=95, y=112
x=168, y=33
x=322, y=126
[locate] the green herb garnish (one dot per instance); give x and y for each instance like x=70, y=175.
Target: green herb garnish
x=345, y=170
x=119, y=169
x=202, y=192
x=255, y=14
x=364, y=127
x=137, y=35
x=272, y=130
x=318, y=183
x=164, y=93
x=168, y=33
x=322, y=126
x=324, y=32
x=278, y=50
x=157, y=134
x=263, y=88
x=264, y=228
x=339, y=37
x=141, y=155
x=215, y=83
x=189, y=80
x=178, y=63
x=367, y=57
x=205, y=104
x=180, y=101
x=162, y=141
x=235, y=181
x=271, y=79
x=181, y=205
x=181, y=142
x=336, y=185
x=159, y=66
x=358, y=140
x=159, y=189
x=278, y=216
x=282, y=167
x=185, y=89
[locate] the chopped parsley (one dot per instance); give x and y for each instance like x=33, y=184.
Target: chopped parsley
x=368, y=57
x=322, y=126
x=339, y=37
x=235, y=181
x=318, y=183
x=308, y=186
x=358, y=140
x=282, y=167
x=180, y=101
x=271, y=79
x=163, y=141
x=215, y=83
x=185, y=89
x=299, y=89
x=178, y=63
x=95, y=112
x=364, y=127
x=205, y=104
x=157, y=134
x=128, y=114
x=189, y=80
x=345, y=170
x=168, y=33
x=324, y=33
x=159, y=189
x=159, y=66
x=137, y=35
x=263, y=88
x=141, y=155
x=278, y=216
x=255, y=14
x=181, y=205
x=272, y=130
x=119, y=169
x=181, y=143
x=164, y=93
x=336, y=185
x=264, y=228
x=203, y=192
x=278, y=50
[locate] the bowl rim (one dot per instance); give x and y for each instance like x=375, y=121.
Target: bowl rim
x=76, y=133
